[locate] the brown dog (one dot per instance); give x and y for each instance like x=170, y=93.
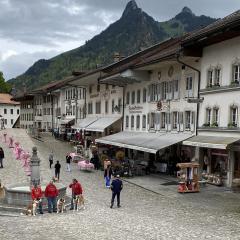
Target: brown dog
x=79, y=202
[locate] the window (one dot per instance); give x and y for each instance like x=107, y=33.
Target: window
x=189, y=86
x=119, y=104
x=106, y=86
x=138, y=96
x=74, y=109
x=234, y=113
x=217, y=76
x=210, y=78
x=144, y=95
x=132, y=121
x=175, y=89
x=5, y=111
x=152, y=120
x=11, y=110
x=215, y=117
x=187, y=120
x=66, y=94
x=163, y=120
x=113, y=86
x=127, y=121
x=236, y=73
x=5, y=121
x=170, y=90
x=98, y=87
x=128, y=98
x=133, y=97
x=98, y=107
x=89, y=108
x=90, y=89
x=113, y=106
x=154, y=91
x=175, y=120
x=144, y=121
x=138, y=122
x=208, y=116
x=106, y=106
x=11, y=121
x=164, y=90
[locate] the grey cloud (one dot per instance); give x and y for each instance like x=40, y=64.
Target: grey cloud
x=17, y=64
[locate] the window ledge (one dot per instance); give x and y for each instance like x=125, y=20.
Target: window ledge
x=233, y=87
x=220, y=129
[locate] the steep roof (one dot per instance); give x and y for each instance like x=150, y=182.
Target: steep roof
x=226, y=27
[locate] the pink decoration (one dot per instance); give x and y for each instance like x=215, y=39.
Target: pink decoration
x=85, y=165
x=19, y=151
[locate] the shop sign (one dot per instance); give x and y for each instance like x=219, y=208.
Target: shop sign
x=94, y=95
x=135, y=109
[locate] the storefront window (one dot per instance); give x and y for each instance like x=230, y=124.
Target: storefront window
x=144, y=121
x=138, y=122
x=132, y=121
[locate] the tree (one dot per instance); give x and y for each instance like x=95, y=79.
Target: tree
x=4, y=86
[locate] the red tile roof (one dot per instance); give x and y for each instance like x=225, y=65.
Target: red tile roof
x=5, y=98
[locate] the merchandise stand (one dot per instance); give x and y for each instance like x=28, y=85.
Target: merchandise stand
x=188, y=176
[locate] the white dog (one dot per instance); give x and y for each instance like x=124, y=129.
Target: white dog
x=61, y=205
x=79, y=202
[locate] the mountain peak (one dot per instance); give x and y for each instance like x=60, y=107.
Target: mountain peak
x=130, y=7
x=187, y=10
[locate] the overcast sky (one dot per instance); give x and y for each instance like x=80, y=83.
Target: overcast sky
x=34, y=29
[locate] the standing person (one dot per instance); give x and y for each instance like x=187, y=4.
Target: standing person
x=51, y=194
x=108, y=175
x=57, y=170
x=37, y=195
x=76, y=190
x=116, y=188
x=68, y=161
x=50, y=158
x=1, y=157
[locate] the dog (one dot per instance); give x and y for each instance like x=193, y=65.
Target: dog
x=32, y=208
x=61, y=205
x=79, y=202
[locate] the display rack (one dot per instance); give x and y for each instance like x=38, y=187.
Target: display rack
x=188, y=176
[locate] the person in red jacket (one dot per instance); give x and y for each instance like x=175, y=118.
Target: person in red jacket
x=51, y=194
x=37, y=195
x=76, y=190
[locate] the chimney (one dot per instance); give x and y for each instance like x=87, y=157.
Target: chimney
x=116, y=57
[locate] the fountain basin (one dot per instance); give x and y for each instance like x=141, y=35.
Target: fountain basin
x=20, y=194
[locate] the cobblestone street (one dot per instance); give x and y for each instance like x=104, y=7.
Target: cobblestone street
x=144, y=214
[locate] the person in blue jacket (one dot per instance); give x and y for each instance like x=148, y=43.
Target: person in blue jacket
x=116, y=188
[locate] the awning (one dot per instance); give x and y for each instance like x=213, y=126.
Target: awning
x=210, y=141
x=85, y=122
x=143, y=141
x=102, y=123
x=66, y=121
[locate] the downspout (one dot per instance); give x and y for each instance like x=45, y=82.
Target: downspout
x=52, y=111
x=198, y=89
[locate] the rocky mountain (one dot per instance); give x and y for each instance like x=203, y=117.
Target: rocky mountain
x=134, y=31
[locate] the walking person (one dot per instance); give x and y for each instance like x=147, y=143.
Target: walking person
x=116, y=188
x=1, y=157
x=57, y=170
x=68, y=161
x=50, y=158
x=76, y=190
x=37, y=196
x=107, y=176
x=51, y=194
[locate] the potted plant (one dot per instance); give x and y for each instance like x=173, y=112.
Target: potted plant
x=232, y=125
x=235, y=82
x=214, y=124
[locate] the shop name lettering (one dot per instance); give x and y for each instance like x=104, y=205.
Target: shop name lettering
x=135, y=109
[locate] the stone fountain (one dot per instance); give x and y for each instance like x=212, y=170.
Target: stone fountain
x=20, y=194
